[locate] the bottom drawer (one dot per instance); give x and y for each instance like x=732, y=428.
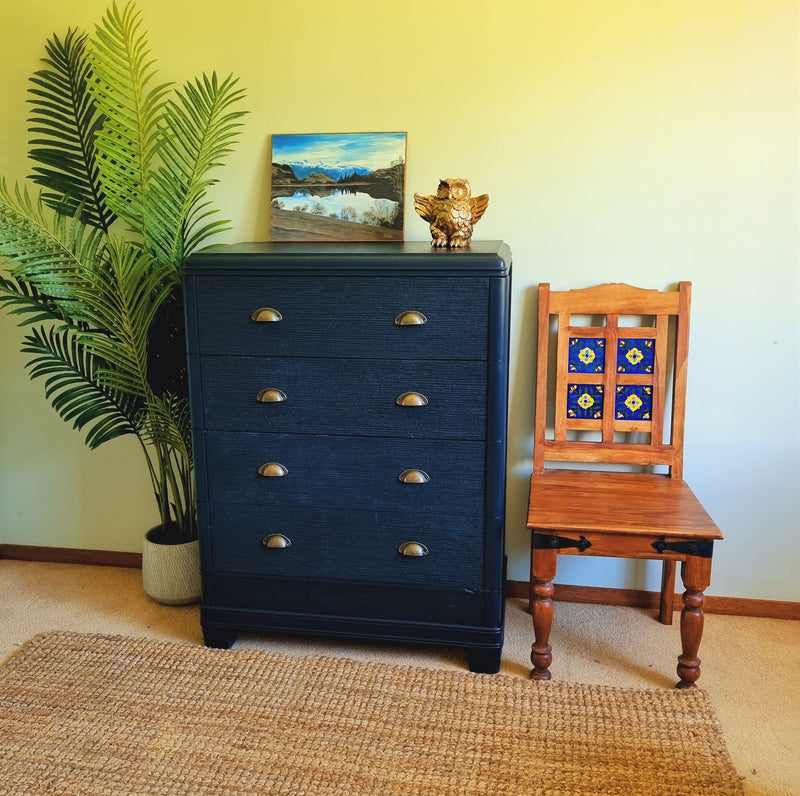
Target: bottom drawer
x=306, y=605
x=346, y=545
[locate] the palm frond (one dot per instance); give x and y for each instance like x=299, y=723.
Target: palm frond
x=46, y=251
x=199, y=229
x=126, y=291
x=22, y=299
x=168, y=423
x=74, y=387
x=65, y=119
x=123, y=74
x=199, y=130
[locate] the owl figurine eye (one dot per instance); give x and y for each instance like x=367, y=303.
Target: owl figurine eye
x=452, y=213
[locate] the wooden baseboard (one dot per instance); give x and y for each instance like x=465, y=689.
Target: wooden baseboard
x=68, y=555
x=735, y=606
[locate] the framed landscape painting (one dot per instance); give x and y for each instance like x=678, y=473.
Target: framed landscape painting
x=338, y=187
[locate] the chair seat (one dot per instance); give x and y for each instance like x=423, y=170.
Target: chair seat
x=618, y=504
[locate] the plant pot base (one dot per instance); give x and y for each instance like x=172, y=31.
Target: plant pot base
x=171, y=572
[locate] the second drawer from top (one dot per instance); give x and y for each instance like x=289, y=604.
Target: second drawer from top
x=438, y=400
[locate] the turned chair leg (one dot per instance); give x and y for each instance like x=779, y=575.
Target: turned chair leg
x=543, y=570
x=665, y=607
x=696, y=575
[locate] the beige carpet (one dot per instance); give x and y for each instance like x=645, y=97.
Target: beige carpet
x=93, y=714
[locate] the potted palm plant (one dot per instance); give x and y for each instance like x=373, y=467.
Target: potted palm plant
x=95, y=248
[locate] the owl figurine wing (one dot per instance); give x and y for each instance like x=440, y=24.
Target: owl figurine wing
x=437, y=211
x=479, y=205
x=426, y=206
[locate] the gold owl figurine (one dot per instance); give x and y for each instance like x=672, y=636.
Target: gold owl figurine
x=451, y=213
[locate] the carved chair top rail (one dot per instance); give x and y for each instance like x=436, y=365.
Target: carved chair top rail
x=618, y=298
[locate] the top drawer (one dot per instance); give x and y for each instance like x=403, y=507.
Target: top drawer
x=337, y=316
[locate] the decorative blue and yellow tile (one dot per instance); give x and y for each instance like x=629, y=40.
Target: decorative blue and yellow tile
x=635, y=355
x=633, y=402
x=587, y=354
x=585, y=401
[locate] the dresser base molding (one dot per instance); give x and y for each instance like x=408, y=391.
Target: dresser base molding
x=483, y=645
x=468, y=618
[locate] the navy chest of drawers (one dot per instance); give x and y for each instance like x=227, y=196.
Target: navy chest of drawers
x=349, y=425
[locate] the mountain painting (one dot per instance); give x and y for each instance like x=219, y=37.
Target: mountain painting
x=338, y=187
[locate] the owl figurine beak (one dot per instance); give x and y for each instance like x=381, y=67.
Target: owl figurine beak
x=452, y=213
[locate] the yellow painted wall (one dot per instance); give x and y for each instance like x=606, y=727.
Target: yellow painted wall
x=644, y=141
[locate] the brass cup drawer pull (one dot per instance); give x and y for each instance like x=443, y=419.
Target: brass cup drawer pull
x=266, y=315
x=411, y=399
x=272, y=395
x=410, y=318
x=413, y=549
x=272, y=470
x=276, y=540
x=414, y=477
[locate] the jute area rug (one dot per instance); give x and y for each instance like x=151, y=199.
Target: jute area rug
x=88, y=714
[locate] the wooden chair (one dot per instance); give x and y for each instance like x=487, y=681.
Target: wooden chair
x=602, y=408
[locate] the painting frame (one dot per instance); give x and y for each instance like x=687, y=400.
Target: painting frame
x=338, y=187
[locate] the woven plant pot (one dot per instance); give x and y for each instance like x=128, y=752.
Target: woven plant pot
x=171, y=572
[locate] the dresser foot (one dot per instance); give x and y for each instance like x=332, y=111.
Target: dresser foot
x=218, y=638
x=483, y=661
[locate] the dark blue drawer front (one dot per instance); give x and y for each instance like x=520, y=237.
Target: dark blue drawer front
x=342, y=608
x=347, y=472
x=345, y=396
x=352, y=545
x=346, y=317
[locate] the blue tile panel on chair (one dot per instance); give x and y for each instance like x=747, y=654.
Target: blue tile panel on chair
x=587, y=354
x=633, y=402
x=585, y=401
x=635, y=355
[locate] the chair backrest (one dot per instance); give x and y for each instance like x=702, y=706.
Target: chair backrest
x=604, y=397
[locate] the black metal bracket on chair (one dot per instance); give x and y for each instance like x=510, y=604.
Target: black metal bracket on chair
x=692, y=548
x=546, y=540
